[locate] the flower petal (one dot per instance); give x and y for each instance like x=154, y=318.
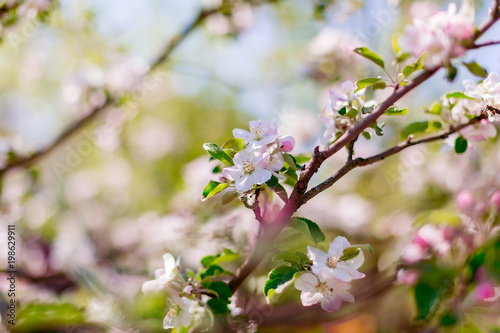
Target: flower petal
x=310, y=298
x=331, y=303
x=316, y=255
x=338, y=246
x=306, y=282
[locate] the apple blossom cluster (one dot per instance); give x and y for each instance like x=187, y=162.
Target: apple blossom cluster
x=476, y=99
x=261, y=157
x=331, y=273
x=342, y=111
x=446, y=244
x=440, y=37
x=180, y=307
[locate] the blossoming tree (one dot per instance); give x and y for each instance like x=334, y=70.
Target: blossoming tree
x=450, y=266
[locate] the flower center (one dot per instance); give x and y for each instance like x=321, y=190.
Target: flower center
x=257, y=133
x=332, y=261
x=174, y=311
x=248, y=167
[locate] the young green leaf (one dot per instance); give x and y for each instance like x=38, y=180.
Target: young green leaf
x=461, y=145
x=476, y=69
x=227, y=255
x=279, y=276
x=308, y=228
x=366, y=82
x=451, y=73
x=458, y=95
x=217, y=152
x=216, y=190
x=210, y=187
x=416, y=127
x=434, y=109
x=394, y=111
x=365, y=52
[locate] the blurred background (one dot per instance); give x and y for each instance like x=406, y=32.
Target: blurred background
x=94, y=217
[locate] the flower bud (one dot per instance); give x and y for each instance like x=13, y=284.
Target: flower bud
x=495, y=199
x=286, y=143
x=485, y=292
x=465, y=201
x=408, y=276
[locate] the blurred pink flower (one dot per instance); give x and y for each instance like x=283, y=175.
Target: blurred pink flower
x=495, y=199
x=408, y=276
x=465, y=201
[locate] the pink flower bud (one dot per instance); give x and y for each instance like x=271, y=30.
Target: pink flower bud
x=485, y=292
x=286, y=143
x=188, y=289
x=465, y=201
x=408, y=276
x=495, y=199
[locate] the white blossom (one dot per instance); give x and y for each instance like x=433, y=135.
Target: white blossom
x=250, y=168
x=330, y=293
x=163, y=276
x=179, y=313
x=329, y=265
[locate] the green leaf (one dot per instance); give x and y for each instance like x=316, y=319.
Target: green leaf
x=279, y=276
x=213, y=270
x=365, y=52
x=210, y=187
x=352, y=113
x=434, y=109
x=37, y=317
x=433, y=285
x=458, y=95
x=476, y=69
x=366, y=135
x=402, y=57
x=286, y=256
x=291, y=162
x=349, y=253
x=303, y=158
x=222, y=290
x=366, y=82
x=416, y=127
x=217, y=306
x=308, y=228
x=275, y=185
x=461, y=145
x=342, y=111
x=377, y=128
x=210, y=190
x=235, y=144
x=227, y=255
x=379, y=85
x=434, y=126
x=395, y=44
x=409, y=69
x=394, y=111
x=451, y=73
x=469, y=328
x=218, y=153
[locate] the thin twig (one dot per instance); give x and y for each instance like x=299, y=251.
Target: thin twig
x=480, y=45
x=360, y=162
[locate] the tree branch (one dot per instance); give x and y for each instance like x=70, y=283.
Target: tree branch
x=271, y=231
x=24, y=161
x=360, y=162
x=480, y=45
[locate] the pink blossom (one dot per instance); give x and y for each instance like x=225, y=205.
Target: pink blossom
x=262, y=133
x=440, y=35
x=495, y=199
x=330, y=293
x=486, y=292
x=480, y=132
x=465, y=201
x=286, y=143
x=428, y=238
x=408, y=276
x=250, y=168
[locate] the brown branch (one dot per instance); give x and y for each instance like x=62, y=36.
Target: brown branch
x=350, y=149
x=24, y=161
x=360, y=162
x=480, y=45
